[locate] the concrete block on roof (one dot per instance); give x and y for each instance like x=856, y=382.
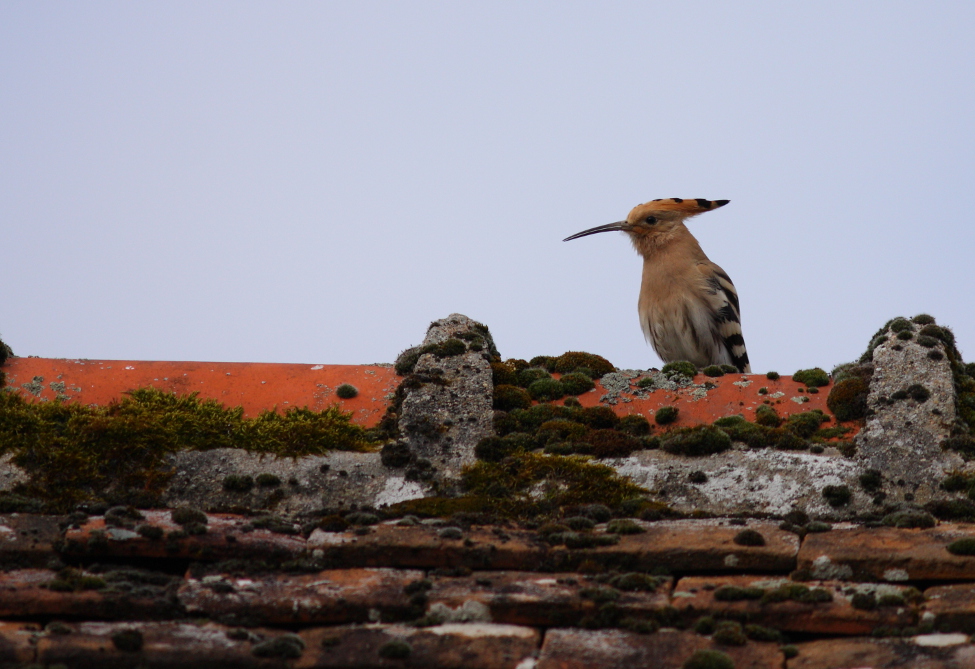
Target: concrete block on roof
x=442, y=422
x=902, y=437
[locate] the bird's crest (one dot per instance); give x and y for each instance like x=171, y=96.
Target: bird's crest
x=680, y=206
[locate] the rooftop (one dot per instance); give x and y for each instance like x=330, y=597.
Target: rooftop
x=480, y=512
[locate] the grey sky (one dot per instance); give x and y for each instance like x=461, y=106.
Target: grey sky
x=312, y=182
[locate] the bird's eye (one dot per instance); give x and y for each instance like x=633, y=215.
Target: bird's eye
x=651, y=220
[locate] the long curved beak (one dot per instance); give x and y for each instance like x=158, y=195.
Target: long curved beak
x=609, y=227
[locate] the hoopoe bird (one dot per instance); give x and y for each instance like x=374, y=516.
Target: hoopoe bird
x=688, y=305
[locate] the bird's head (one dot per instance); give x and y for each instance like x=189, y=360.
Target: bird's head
x=655, y=218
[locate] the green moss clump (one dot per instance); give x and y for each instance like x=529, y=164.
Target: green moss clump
x=287, y=646
x=635, y=582
x=848, y=398
x=238, y=483
x=695, y=441
x=813, y=378
x=909, y=519
x=598, y=418
x=749, y=538
x=729, y=633
x=918, y=393
x=585, y=540
x=942, y=334
x=738, y=429
x=680, y=367
x=871, y=480
x=546, y=361
x=962, y=510
x=75, y=580
x=530, y=485
x=923, y=319
x=957, y=482
x=891, y=599
x=406, y=361
x=494, y=449
x=151, y=532
x=761, y=633
x=579, y=523
x=560, y=429
x=576, y=384
x=128, y=640
x=184, y=515
x=528, y=376
x=611, y=443
x=635, y=425
x=666, y=415
x=767, y=416
x=446, y=349
x=268, y=480
x=709, y=659
x=807, y=423
x=898, y=325
x=546, y=390
x=713, y=371
x=396, y=649
x=395, y=454
x=837, y=495
x=624, y=526
x=772, y=376
x=347, y=391
x=504, y=374
x=964, y=546
x=508, y=398
x=704, y=625
x=865, y=601
x=572, y=360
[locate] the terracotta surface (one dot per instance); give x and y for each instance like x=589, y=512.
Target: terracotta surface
x=545, y=600
x=694, y=596
x=451, y=646
x=331, y=597
x=924, y=652
x=670, y=649
x=258, y=386
x=226, y=537
x=164, y=644
x=24, y=594
x=725, y=399
x=953, y=606
x=252, y=385
x=888, y=554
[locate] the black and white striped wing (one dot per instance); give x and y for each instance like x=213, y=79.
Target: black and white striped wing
x=722, y=299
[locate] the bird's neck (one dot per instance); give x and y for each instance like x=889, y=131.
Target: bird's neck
x=676, y=241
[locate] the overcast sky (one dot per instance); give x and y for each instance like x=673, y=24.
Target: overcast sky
x=315, y=182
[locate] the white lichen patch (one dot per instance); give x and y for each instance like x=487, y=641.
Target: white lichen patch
x=483, y=630
x=896, y=575
x=469, y=612
x=398, y=489
x=824, y=569
x=940, y=640
x=741, y=481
